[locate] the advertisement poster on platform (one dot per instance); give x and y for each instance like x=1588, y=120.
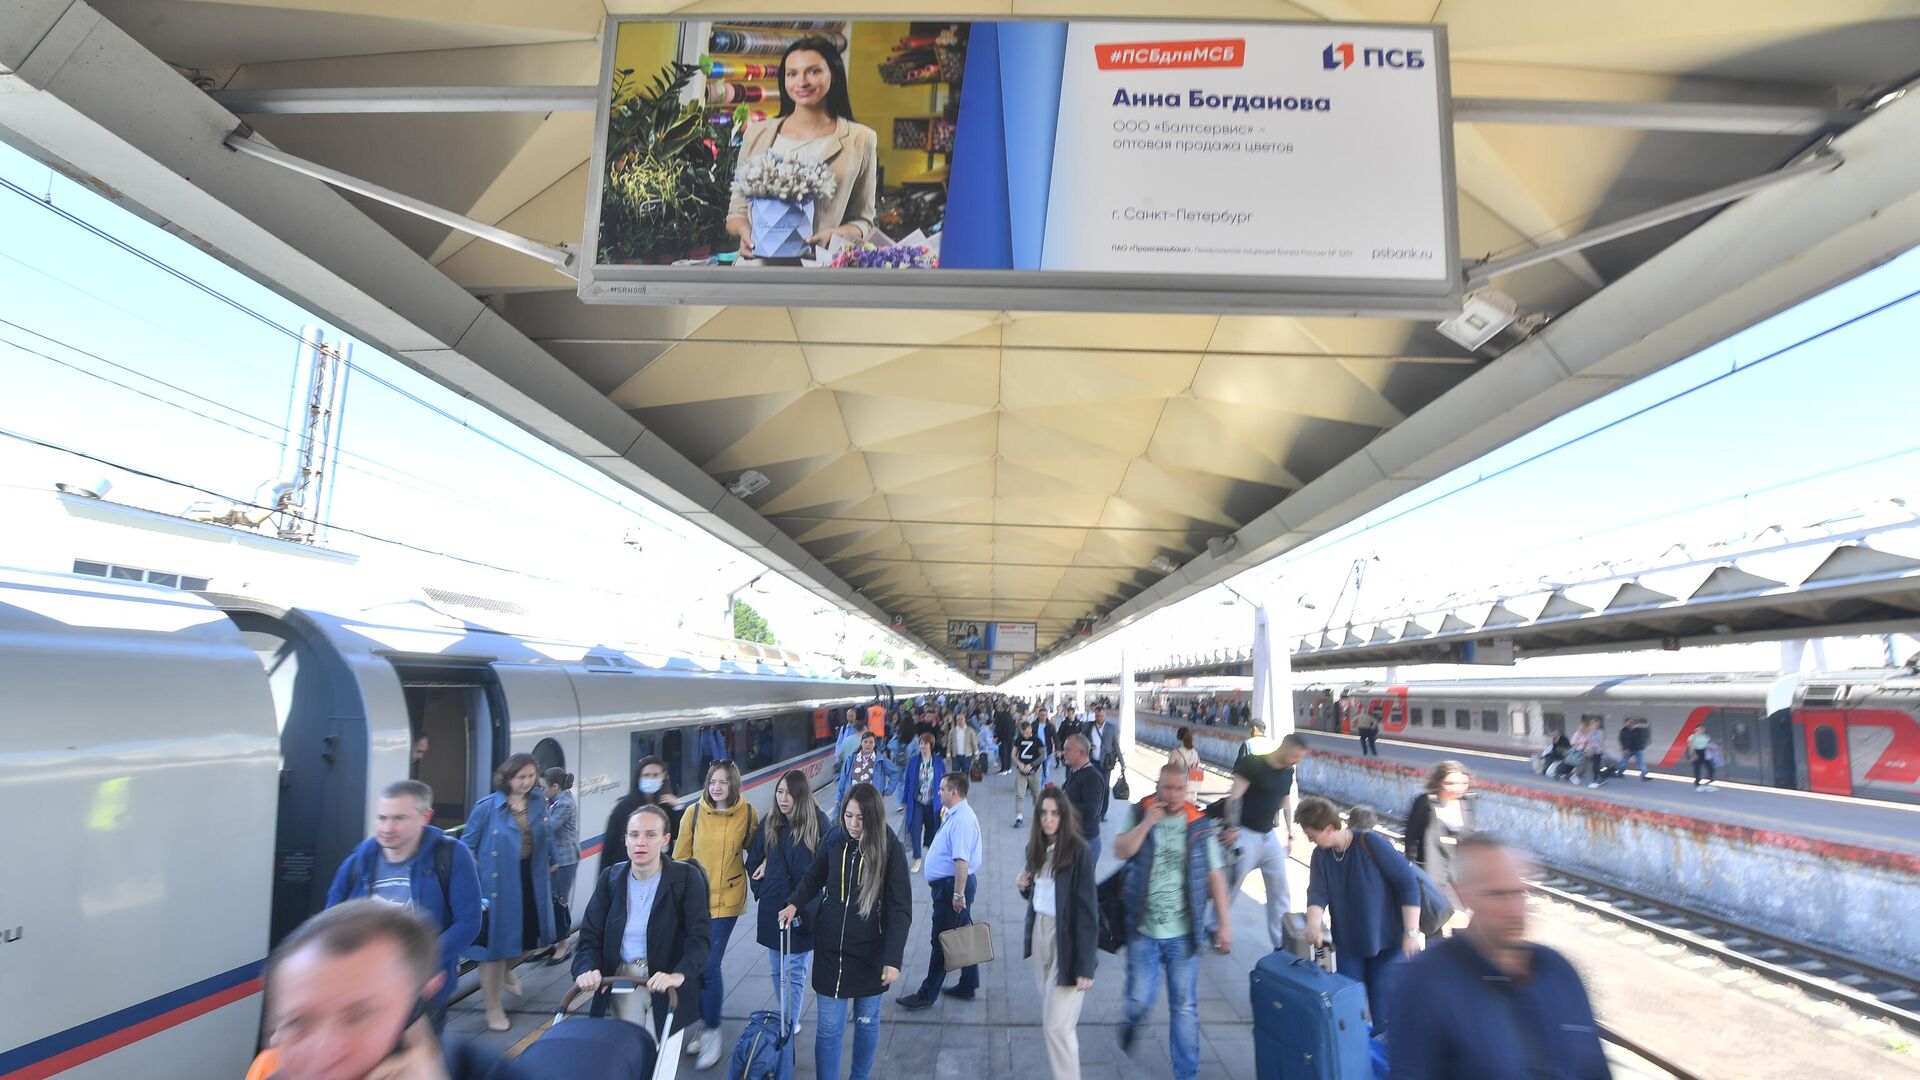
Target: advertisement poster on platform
x=968, y=635
x=857, y=156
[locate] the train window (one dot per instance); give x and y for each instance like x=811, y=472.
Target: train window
x=1489, y=720
x=548, y=755
x=1417, y=718
x=1461, y=719
x=1826, y=743
x=1739, y=726
x=762, y=747
x=1553, y=723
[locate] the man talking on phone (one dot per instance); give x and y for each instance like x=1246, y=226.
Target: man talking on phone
x=347, y=997
x=1174, y=869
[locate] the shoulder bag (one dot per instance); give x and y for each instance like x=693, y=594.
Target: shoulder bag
x=1435, y=909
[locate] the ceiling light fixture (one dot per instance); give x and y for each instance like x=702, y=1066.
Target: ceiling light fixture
x=1163, y=564
x=1482, y=316
x=747, y=483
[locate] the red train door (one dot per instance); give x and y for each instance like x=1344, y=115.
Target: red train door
x=1824, y=749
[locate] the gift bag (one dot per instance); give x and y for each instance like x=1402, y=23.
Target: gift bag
x=780, y=228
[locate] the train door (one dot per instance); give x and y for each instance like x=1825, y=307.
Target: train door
x=1823, y=735
x=1743, y=747
x=462, y=715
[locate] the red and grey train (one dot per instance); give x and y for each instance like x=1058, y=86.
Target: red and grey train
x=1854, y=733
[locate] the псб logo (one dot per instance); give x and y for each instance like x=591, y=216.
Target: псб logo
x=1340, y=56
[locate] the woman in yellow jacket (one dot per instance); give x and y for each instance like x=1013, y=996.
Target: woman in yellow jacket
x=715, y=834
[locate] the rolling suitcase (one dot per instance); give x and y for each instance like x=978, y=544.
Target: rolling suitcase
x=1308, y=1023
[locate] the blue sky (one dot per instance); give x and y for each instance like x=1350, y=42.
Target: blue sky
x=1798, y=418
x=204, y=389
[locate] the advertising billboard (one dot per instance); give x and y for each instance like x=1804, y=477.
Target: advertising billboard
x=973, y=635
x=1027, y=165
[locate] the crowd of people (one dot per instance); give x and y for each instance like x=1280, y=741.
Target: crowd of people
x=832, y=887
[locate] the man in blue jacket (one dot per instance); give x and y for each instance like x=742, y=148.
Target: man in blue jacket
x=410, y=864
x=1487, y=1004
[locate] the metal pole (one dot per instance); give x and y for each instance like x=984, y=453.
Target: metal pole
x=408, y=99
x=1724, y=118
x=1704, y=117
x=559, y=257
x=1823, y=161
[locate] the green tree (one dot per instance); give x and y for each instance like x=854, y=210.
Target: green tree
x=874, y=658
x=750, y=625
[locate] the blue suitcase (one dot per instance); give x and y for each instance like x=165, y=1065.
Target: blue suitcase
x=1308, y=1023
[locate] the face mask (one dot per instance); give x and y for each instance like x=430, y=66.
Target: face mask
x=650, y=786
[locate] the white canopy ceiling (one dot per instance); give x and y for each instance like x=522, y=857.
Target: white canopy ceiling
x=982, y=465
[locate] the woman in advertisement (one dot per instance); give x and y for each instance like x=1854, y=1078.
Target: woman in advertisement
x=815, y=122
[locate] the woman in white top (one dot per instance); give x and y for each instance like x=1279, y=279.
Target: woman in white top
x=1439, y=818
x=1063, y=924
x=816, y=120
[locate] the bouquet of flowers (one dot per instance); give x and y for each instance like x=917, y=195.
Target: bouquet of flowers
x=889, y=257
x=780, y=192
x=789, y=179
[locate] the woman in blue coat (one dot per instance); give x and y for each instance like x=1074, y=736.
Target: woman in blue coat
x=510, y=837
x=867, y=765
x=1368, y=886
x=782, y=850
x=921, y=794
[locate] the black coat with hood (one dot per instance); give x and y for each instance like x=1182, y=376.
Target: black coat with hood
x=850, y=948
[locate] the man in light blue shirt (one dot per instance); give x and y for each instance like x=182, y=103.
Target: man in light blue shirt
x=951, y=880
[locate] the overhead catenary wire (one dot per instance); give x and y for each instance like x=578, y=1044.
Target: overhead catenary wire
x=1643, y=410
x=362, y=533
x=293, y=334
x=387, y=475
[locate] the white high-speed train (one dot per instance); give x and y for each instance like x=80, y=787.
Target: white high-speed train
x=179, y=779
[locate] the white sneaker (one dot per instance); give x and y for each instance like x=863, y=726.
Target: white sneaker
x=798, y=1025
x=709, y=1051
x=693, y=1042
x=1595, y=785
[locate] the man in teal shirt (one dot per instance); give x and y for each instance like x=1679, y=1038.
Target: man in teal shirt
x=1175, y=868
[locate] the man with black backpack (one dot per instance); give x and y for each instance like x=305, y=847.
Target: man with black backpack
x=410, y=864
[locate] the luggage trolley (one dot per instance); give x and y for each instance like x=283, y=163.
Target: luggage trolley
x=605, y=1048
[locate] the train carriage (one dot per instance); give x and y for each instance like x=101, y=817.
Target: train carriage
x=194, y=772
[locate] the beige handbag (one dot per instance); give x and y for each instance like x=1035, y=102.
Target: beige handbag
x=965, y=946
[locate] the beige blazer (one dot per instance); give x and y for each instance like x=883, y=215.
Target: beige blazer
x=853, y=158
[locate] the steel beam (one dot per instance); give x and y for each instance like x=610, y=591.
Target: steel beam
x=409, y=99
x=561, y=258
x=1704, y=117
x=1826, y=160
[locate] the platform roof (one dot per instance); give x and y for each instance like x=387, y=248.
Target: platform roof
x=991, y=465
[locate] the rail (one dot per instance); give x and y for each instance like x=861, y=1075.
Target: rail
x=1856, y=983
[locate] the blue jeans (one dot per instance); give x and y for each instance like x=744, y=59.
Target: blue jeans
x=832, y=1019
x=712, y=991
x=1145, y=957
x=795, y=981
x=1627, y=759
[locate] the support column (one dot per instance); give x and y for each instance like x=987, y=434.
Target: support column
x=1128, y=723
x=1080, y=695
x=1272, y=676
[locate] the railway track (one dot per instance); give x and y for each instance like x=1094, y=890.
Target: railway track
x=1861, y=986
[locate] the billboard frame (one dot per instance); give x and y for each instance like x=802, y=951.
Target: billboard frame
x=1023, y=290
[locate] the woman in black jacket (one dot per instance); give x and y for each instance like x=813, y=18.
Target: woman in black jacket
x=672, y=952
x=860, y=937
x=650, y=788
x=782, y=849
x=1063, y=924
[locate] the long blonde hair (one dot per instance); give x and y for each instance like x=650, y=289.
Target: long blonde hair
x=805, y=822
